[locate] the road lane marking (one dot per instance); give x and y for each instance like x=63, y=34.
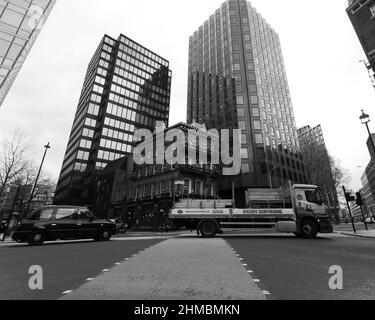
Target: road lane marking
x=89, y=279
x=68, y=291
x=256, y=280
x=131, y=269
x=105, y=270
x=266, y=293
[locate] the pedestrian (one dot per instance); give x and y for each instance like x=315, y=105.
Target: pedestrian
x=164, y=220
x=3, y=229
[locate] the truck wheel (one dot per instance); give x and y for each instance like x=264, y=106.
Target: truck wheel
x=208, y=229
x=309, y=229
x=36, y=238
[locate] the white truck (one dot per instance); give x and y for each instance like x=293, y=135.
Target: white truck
x=297, y=209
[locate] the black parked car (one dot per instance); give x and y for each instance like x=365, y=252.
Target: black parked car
x=63, y=223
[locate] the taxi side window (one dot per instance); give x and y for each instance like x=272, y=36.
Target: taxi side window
x=66, y=214
x=42, y=215
x=85, y=215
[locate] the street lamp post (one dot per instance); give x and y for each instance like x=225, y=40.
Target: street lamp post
x=48, y=146
x=365, y=119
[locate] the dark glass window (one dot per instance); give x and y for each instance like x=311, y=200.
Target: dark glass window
x=85, y=215
x=66, y=214
x=313, y=197
x=40, y=215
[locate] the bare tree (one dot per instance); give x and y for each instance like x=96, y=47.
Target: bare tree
x=340, y=176
x=325, y=172
x=318, y=165
x=14, y=151
x=45, y=185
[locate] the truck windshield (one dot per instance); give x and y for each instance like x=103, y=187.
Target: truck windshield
x=313, y=196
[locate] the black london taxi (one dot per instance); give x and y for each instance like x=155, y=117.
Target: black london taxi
x=53, y=223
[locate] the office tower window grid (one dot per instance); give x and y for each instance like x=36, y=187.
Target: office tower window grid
x=307, y=135
x=126, y=87
x=20, y=25
x=237, y=79
x=361, y=13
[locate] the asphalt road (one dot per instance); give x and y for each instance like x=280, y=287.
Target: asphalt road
x=298, y=269
x=66, y=266
x=287, y=267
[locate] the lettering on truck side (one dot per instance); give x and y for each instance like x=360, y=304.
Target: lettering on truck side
x=234, y=212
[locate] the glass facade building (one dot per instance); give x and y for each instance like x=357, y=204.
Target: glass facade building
x=237, y=80
x=20, y=24
x=126, y=87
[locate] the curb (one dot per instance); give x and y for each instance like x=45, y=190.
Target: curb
x=7, y=242
x=357, y=235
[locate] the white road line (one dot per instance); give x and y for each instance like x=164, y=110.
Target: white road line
x=266, y=293
x=105, y=270
x=89, y=279
x=250, y=271
x=256, y=280
x=245, y=265
x=117, y=264
x=67, y=291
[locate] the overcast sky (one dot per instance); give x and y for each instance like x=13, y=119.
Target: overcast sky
x=328, y=84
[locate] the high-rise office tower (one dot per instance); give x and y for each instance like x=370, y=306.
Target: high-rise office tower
x=318, y=163
x=126, y=87
x=237, y=79
x=362, y=16
x=20, y=25
x=308, y=135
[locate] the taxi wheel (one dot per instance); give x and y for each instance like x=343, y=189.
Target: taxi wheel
x=37, y=238
x=104, y=235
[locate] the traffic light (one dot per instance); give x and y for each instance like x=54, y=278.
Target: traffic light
x=349, y=197
x=359, y=199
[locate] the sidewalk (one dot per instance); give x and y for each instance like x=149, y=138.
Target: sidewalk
x=7, y=240
x=184, y=268
x=361, y=234
x=347, y=229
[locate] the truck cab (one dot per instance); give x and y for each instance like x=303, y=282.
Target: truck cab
x=311, y=211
